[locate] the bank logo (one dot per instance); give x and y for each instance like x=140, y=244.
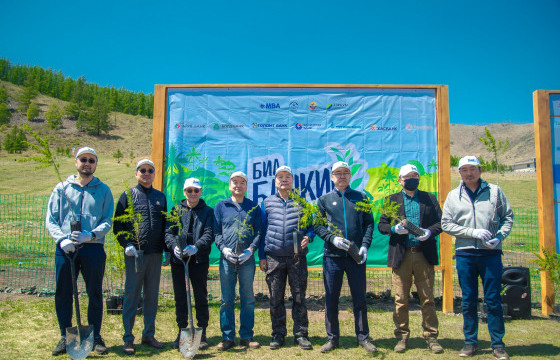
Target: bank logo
x=294, y=105
x=313, y=105
x=189, y=126
x=333, y=106
x=270, y=106
x=374, y=127
x=410, y=127
x=270, y=126
x=218, y=126
x=299, y=126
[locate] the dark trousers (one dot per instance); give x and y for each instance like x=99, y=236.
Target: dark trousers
x=333, y=273
x=198, y=274
x=90, y=262
x=295, y=270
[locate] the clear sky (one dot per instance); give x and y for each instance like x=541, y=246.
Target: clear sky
x=492, y=54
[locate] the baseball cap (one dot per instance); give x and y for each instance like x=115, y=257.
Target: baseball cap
x=145, y=162
x=283, y=168
x=239, y=174
x=469, y=160
x=192, y=182
x=407, y=169
x=340, y=165
x=85, y=150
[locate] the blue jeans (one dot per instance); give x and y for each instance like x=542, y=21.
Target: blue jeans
x=229, y=273
x=489, y=268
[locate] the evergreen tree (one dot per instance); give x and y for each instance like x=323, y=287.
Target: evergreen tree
x=118, y=155
x=32, y=111
x=29, y=93
x=15, y=141
x=95, y=120
x=54, y=116
x=5, y=113
x=3, y=95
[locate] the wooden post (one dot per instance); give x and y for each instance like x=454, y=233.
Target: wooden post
x=158, y=134
x=545, y=191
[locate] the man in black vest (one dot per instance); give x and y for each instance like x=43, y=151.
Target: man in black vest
x=413, y=256
x=282, y=255
x=150, y=203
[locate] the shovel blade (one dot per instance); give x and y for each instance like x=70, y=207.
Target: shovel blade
x=79, y=342
x=189, y=342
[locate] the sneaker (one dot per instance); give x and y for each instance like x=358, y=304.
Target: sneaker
x=225, y=345
x=277, y=342
x=203, y=341
x=500, y=353
x=434, y=346
x=368, y=346
x=250, y=343
x=303, y=343
x=99, y=346
x=151, y=341
x=401, y=346
x=60, y=347
x=128, y=348
x=468, y=350
x=329, y=346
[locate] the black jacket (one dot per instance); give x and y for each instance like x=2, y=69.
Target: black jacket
x=150, y=203
x=430, y=218
x=202, y=216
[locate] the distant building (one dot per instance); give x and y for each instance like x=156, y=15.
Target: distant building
x=525, y=166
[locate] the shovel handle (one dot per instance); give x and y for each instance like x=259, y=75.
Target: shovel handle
x=72, y=259
x=191, y=323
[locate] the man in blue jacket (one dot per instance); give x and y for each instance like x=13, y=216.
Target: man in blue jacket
x=282, y=255
x=82, y=197
x=237, y=231
x=346, y=226
x=150, y=204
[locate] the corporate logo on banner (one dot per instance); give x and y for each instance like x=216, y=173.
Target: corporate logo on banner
x=218, y=126
x=270, y=126
x=270, y=106
x=312, y=105
x=383, y=128
x=417, y=127
x=294, y=105
x=189, y=126
x=300, y=126
x=336, y=106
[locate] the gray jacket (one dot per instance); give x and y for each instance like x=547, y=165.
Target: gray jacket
x=490, y=211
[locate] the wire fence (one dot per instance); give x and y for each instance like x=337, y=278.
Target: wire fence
x=27, y=257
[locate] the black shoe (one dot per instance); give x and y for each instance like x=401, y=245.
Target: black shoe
x=99, y=346
x=329, y=346
x=60, y=347
x=250, y=343
x=468, y=350
x=368, y=346
x=225, y=345
x=203, y=341
x=303, y=343
x=175, y=344
x=128, y=348
x=277, y=342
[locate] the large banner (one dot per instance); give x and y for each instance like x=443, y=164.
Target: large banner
x=214, y=132
x=555, y=144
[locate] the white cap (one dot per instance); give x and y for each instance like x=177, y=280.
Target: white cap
x=340, y=164
x=192, y=182
x=239, y=174
x=85, y=150
x=469, y=160
x=407, y=169
x=145, y=162
x=283, y=168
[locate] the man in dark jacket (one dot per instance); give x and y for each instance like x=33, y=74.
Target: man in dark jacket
x=150, y=204
x=192, y=242
x=282, y=255
x=346, y=226
x=413, y=256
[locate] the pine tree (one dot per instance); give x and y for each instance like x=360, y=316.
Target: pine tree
x=118, y=155
x=54, y=116
x=15, y=141
x=29, y=93
x=32, y=111
x=5, y=114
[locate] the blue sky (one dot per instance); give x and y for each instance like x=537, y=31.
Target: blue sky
x=491, y=54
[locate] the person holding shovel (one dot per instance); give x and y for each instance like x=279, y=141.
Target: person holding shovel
x=79, y=214
x=197, y=233
x=282, y=255
x=145, y=239
x=237, y=229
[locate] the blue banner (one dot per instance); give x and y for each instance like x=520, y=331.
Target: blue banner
x=554, y=100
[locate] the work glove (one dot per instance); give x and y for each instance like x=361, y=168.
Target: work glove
x=245, y=255
x=229, y=255
x=482, y=234
x=363, y=254
x=80, y=236
x=130, y=250
x=341, y=243
x=67, y=246
x=492, y=243
x=426, y=236
x=177, y=252
x=189, y=250
x=399, y=229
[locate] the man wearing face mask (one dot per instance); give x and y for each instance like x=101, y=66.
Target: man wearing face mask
x=413, y=257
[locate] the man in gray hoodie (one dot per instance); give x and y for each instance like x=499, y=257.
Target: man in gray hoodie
x=478, y=214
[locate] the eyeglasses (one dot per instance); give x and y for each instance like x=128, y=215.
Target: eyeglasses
x=190, y=191
x=341, y=174
x=150, y=171
x=89, y=160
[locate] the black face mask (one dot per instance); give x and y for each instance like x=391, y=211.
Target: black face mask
x=411, y=184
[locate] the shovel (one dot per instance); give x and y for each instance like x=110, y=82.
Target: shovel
x=79, y=340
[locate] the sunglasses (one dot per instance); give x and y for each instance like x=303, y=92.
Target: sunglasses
x=89, y=160
x=150, y=171
x=190, y=191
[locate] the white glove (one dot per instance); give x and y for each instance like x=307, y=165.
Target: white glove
x=363, y=253
x=67, y=246
x=190, y=250
x=426, y=236
x=130, y=250
x=229, y=255
x=482, y=234
x=341, y=243
x=399, y=229
x=177, y=253
x=245, y=255
x=81, y=236
x=492, y=243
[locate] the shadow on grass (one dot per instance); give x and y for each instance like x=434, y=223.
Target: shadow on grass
x=534, y=350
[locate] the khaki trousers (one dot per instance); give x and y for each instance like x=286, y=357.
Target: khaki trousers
x=414, y=265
